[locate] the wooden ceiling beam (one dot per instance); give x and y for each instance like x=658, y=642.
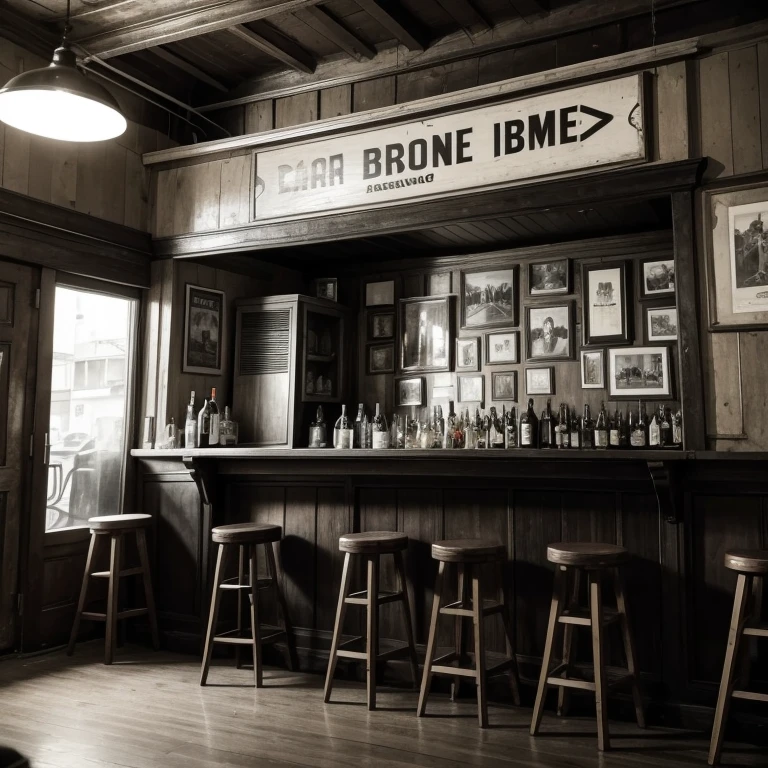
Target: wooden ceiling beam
x=324, y=23
x=287, y=51
x=530, y=8
x=404, y=27
x=190, y=69
x=465, y=14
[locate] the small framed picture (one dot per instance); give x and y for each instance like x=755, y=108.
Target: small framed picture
x=380, y=294
x=502, y=348
x=381, y=325
x=438, y=284
x=540, y=380
x=504, y=385
x=593, y=369
x=409, y=392
x=381, y=358
x=471, y=388
x=657, y=278
x=550, y=332
x=639, y=372
x=549, y=278
x=468, y=354
x=203, y=330
x=426, y=340
x=326, y=288
x=605, y=292
x=660, y=324
x=489, y=298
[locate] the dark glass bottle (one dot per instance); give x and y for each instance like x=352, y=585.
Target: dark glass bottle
x=547, y=427
x=614, y=431
x=529, y=428
x=623, y=431
x=510, y=430
x=677, y=430
x=587, y=429
x=638, y=433
x=601, y=428
x=563, y=428
x=575, y=436
x=666, y=426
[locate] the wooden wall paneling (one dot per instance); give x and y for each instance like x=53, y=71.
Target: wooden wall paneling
x=589, y=516
x=16, y=160
x=714, y=95
x=333, y=521
x=113, y=191
x=671, y=112
x=762, y=76
x=297, y=109
x=165, y=190
x=90, y=178
x=42, y=153
x=168, y=354
x=335, y=101
x=184, y=198
x=136, y=193
x=753, y=347
x=372, y=94
x=745, y=109
x=725, y=406
x=234, y=203
x=260, y=116
x=436, y=80
x=298, y=549
x=207, y=194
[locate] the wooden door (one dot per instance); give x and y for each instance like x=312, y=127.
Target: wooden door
x=17, y=357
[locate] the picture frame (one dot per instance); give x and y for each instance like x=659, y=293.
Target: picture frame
x=504, y=386
x=409, y=391
x=549, y=331
x=380, y=358
x=326, y=288
x=489, y=298
x=204, y=321
x=468, y=354
x=639, y=373
x=426, y=334
x=606, y=315
x=381, y=325
x=438, y=284
x=657, y=277
x=380, y=293
x=470, y=388
x=549, y=278
x=592, y=368
x=502, y=348
x=660, y=324
x=540, y=380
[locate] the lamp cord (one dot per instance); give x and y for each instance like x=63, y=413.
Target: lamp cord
x=67, y=25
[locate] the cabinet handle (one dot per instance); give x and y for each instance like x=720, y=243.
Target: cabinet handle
x=47, y=451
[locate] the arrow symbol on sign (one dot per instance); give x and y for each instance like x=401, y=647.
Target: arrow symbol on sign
x=603, y=118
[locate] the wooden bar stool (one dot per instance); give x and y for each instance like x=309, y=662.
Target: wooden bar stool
x=752, y=566
x=114, y=527
x=469, y=554
x=371, y=546
x=598, y=560
x=248, y=537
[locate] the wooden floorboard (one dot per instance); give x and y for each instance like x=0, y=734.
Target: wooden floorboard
x=148, y=711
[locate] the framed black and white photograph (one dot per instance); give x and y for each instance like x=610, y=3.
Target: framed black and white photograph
x=380, y=294
x=607, y=319
x=502, y=347
x=504, y=386
x=471, y=388
x=381, y=325
x=489, y=298
x=326, y=288
x=203, y=330
x=438, y=284
x=409, y=392
x=660, y=324
x=748, y=241
x=381, y=358
x=426, y=339
x=540, y=380
x=550, y=332
x=657, y=278
x=593, y=369
x=549, y=278
x=639, y=372
x=468, y=354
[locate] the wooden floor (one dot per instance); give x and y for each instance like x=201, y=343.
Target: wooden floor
x=148, y=711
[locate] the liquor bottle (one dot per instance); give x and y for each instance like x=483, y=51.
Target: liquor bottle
x=204, y=426
x=529, y=428
x=215, y=419
x=449, y=428
x=470, y=435
x=563, y=428
x=379, y=431
x=342, y=431
x=677, y=430
x=666, y=426
x=638, y=436
x=317, y=432
x=190, y=425
x=587, y=429
x=547, y=427
x=601, y=428
x=654, y=431
x=228, y=430
x=496, y=439
x=624, y=431
x=457, y=440
x=481, y=430
x=365, y=432
x=510, y=430
x=575, y=436
x=439, y=427
x=357, y=441
x=614, y=430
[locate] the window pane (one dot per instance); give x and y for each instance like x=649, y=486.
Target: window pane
x=92, y=336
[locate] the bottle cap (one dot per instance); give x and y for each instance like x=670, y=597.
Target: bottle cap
x=213, y=393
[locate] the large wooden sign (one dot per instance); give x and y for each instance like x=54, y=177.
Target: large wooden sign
x=592, y=125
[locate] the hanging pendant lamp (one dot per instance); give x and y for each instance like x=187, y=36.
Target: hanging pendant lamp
x=59, y=102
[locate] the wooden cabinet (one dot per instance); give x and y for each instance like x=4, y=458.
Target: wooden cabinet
x=290, y=357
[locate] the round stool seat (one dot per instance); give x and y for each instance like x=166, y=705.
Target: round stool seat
x=373, y=542
x=118, y=522
x=246, y=533
x=747, y=560
x=585, y=554
x=468, y=551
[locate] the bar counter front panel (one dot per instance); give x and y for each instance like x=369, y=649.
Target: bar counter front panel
x=676, y=512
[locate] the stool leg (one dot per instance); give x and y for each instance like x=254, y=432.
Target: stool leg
x=112, y=596
x=403, y=587
x=753, y=615
x=213, y=615
x=629, y=645
x=563, y=695
x=277, y=581
x=239, y=625
x=460, y=631
x=514, y=679
x=141, y=545
x=598, y=653
x=743, y=589
x=372, y=621
x=341, y=610
x=426, y=678
x=478, y=620
x=83, y=595
x=554, y=614
x=253, y=569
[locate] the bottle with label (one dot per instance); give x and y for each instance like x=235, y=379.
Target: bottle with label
x=215, y=419
x=342, y=431
x=204, y=426
x=449, y=428
x=357, y=438
x=624, y=431
x=379, y=431
x=317, y=431
x=190, y=424
x=638, y=435
x=547, y=427
x=510, y=430
x=481, y=430
x=529, y=428
x=677, y=430
x=470, y=435
x=665, y=416
x=614, y=430
x=563, y=428
x=228, y=430
x=497, y=430
x=457, y=440
x=601, y=428
x=654, y=431
x=587, y=429
x=575, y=430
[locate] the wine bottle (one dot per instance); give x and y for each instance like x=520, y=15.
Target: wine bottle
x=481, y=427
x=638, y=437
x=529, y=428
x=357, y=440
x=215, y=433
x=546, y=427
x=666, y=426
x=204, y=426
x=497, y=430
x=615, y=430
x=677, y=430
x=654, y=431
x=587, y=429
x=601, y=429
x=563, y=427
x=317, y=431
x=228, y=430
x=379, y=431
x=575, y=429
x=510, y=430
x=342, y=431
x=190, y=425
x=470, y=436
x=624, y=431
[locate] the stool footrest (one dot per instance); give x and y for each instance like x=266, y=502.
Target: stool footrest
x=233, y=640
x=234, y=584
x=761, y=631
x=361, y=598
x=502, y=666
x=750, y=695
x=461, y=608
x=582, y=618
x=93, y=616
x=133, y=612
x=440, y=669
x=126, y=572
x=352, y=654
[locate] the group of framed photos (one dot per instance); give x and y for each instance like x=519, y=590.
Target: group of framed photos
x=380, y=327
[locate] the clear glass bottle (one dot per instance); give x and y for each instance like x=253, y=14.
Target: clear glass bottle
x=318, y=436
x=342, y=431
x=458, y=432
x=470, y=433
x=677, y=430
x=379, y=431
x=228, y=430
x=215, y=419
x=563, y=427
x=601, y=428
x=587, y=429
x=529, y=428
x=204, y=426
x=357, y=441
x=366, y=436
x=654, y=431
x=575, y=428
x=190, y=424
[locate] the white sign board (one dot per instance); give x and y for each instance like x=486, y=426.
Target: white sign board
x=584, y=127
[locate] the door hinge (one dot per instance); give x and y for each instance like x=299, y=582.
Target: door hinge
x=37, y=298
x=20, y=604
x=31, y=445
